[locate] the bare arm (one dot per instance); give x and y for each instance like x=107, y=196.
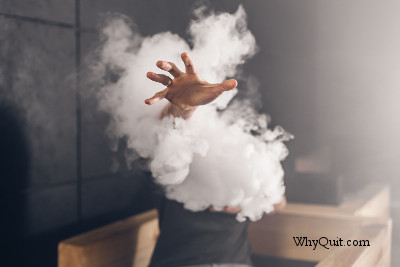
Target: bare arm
x=186, y=90
x=277, y=207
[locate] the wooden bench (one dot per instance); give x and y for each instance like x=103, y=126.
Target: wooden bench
x=363, y=216
x=274, y=236
x=372, y=201
x=130, y=242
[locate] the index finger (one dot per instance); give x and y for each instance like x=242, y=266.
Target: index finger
x=170, y=67
x=187, y=60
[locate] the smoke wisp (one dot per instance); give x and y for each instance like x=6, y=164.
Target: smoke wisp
x=219, y=158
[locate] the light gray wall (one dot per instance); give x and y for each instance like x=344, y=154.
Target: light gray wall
x=330, y=73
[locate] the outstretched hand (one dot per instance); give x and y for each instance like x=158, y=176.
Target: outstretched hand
x=187, y=90
x=233, y=210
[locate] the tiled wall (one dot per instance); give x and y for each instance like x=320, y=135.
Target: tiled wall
x=38, y=100
x=56, y=167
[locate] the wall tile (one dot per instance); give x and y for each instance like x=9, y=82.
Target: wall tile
x=59, y=11
x=116, y=196
x=162, y=13
x=37, y=81
x=100, y=154
x=152, y=16
x=51, y=208
x=97, y=156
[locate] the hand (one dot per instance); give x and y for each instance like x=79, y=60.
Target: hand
x=187, y=90
x=278, y=207
x=237, y=209
x=227, y=209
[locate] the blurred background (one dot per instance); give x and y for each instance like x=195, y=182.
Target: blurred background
x=329, y=73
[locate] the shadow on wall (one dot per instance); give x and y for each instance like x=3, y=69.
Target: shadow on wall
x=14, y=171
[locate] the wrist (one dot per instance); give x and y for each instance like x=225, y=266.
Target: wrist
x=177, y=111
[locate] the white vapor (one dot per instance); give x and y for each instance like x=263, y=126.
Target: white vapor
x=215, y=158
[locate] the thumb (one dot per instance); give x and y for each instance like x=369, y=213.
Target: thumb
x=229, y=84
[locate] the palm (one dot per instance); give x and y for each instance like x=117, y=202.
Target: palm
x=187, y=89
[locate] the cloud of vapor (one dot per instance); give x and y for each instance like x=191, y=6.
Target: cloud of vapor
x=219, y=158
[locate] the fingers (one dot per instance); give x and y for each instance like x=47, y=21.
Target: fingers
x=279, y=206
x=173, y=69
x=229, y=84
x=232, y=210
x=225, y=86
x=160, y=78
x=227, y=209
x=170, y=67
x=157, y=97
x=213, y=209
x=188, y=63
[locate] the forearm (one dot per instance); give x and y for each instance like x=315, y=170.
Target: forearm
x=279, y=206
x=171, y=109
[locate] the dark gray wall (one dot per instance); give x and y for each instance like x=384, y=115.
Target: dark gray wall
x=57, y=171
x=327, y=71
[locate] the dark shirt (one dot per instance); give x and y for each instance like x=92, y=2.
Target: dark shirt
x=191, y=238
